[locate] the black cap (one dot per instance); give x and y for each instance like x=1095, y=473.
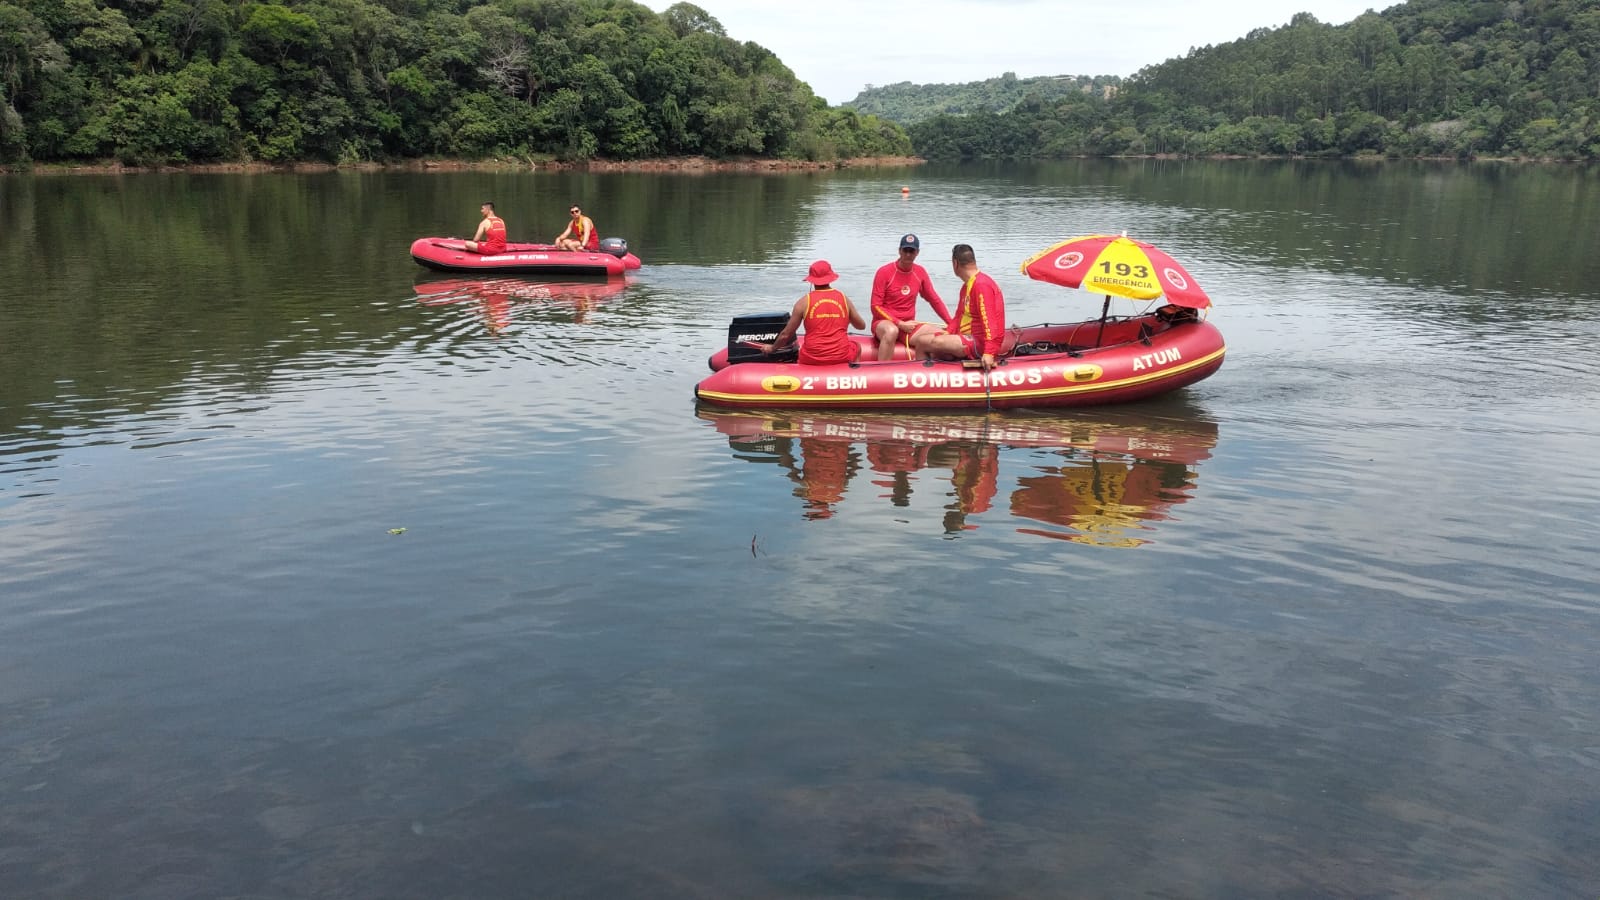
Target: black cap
x=910, y=241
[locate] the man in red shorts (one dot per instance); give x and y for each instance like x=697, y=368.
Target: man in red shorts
x=491, y=235
x=979, y=325
x=894, y=298
x=827, y=314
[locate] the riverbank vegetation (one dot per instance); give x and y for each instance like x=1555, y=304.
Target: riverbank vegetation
x=343, y=81
x=1452, y=78
x=157, y=82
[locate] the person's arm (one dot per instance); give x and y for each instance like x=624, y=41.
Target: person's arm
x=564, y=232
x=932, y=296
x=855, y=315
x=880, y=286
x=483, y=228
x=994, y=322
x=790, y=327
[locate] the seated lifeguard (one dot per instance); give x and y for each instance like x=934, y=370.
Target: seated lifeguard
x=894, y=299
x=580, y=233
x=827, y=315
x=979, y=325
x=491, y=234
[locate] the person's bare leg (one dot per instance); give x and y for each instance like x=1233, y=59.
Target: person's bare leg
x=920, y=339
x=944, y=346
x=886, y=334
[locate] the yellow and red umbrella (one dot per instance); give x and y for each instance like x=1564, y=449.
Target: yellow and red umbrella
x=1116, y=264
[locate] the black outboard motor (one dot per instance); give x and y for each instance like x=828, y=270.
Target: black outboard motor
x=759, y=328
x=615, y=246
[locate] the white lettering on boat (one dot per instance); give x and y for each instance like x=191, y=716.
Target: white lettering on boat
x=1158, y=358
x=946, y=379
x=846, y=382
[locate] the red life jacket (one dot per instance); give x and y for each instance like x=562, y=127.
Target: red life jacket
x=827, y=334
x=494, y=240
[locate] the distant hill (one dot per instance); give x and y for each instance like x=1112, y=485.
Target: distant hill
x=1430, y=78
x=908, y=103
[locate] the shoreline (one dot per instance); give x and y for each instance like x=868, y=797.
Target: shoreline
x=693, y=165
x=686, y=164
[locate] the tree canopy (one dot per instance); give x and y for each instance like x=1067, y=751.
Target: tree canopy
x=1427, y=78
x=156, y=81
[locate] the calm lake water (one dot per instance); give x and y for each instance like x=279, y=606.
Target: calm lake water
x=1324, y=624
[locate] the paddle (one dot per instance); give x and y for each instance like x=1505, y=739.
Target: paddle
x=988, y=405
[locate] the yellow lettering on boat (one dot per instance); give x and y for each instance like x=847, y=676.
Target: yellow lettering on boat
x=780, y=384
x=1080, y=374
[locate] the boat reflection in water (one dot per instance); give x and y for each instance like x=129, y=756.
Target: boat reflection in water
x=1098, y=477
x=496, y=298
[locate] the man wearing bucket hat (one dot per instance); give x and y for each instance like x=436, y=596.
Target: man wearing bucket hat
x=827, y=315
x=894, y=298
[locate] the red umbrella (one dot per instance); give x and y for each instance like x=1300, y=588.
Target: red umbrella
x=1116, y=264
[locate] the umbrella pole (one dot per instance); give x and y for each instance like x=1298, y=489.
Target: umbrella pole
x=1104, y=310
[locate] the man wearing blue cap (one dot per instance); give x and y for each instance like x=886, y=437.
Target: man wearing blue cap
x=894, y=298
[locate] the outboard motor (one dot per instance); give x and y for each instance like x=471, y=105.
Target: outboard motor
x=615, y=246
x=758, y=328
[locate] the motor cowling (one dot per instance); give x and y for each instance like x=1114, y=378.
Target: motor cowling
x=760, y=328
x=615, y=246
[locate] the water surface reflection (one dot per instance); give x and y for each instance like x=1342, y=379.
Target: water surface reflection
x=495, y=299
x=1099, y=478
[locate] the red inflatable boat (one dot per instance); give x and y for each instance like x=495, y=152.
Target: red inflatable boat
x=1085, y=363
x=1112, y=359
x=451, y=255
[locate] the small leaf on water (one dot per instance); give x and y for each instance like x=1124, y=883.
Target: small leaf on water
x=397, y=531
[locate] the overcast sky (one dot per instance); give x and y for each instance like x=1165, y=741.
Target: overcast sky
x=840, y=46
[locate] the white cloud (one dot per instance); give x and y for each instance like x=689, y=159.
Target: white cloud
x=840, y=46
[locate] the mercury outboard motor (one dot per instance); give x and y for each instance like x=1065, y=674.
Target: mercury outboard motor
x=760, y=328
x=615, y=246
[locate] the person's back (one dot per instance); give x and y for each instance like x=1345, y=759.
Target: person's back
x=827, y=315
x=827, y=329
x=978, y=326
x=491, y=234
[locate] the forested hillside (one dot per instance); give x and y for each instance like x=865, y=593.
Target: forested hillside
x=1427, y=78
x=909, y=103
x=149, y=81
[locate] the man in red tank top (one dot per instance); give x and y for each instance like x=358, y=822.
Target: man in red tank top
x=827, y=315
x=583, y=235
x=491, y=235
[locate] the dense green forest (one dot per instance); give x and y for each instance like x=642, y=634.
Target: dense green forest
x=1461, y=78
x=155, y=81
x=909, y=103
